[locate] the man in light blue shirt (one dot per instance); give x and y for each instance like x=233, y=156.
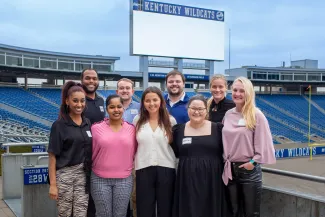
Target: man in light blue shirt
x=125, y=89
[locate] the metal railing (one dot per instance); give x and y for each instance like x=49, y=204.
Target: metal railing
x=21, y=135
x=264, y=169
x=294, y=175
x=15, y=144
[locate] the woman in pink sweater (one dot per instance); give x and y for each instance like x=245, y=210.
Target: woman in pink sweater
x=247, y=143
x=114, y=147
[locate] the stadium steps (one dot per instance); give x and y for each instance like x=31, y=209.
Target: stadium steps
x=290, y=115
x=25, y=115
x=314, y=104
x=14, y=131
x=283, y=138
x=283, y=122
x=43, y=98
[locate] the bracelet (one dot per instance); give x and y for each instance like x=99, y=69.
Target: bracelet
x=253, y=162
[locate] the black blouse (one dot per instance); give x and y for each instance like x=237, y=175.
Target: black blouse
x=71, y=144
x=218, y=111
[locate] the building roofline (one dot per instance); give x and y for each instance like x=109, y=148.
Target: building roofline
x=281, y=68
x=36, y=51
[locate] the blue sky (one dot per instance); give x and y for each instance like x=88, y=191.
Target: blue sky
x=262, y=32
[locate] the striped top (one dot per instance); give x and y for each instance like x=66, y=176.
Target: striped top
x=113, y=152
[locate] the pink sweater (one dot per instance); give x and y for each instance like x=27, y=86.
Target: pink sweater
x=242, y=145
x=113, y=152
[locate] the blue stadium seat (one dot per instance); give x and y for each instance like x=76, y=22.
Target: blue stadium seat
x=281, y=124
x=5, y=115
x=26, y=101
x=106, y=93
x=53, y=95
x=298, y=106
x=295, y=124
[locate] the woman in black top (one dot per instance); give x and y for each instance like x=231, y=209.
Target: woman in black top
x=218, y=105
x=199, y=190
x=70, y=154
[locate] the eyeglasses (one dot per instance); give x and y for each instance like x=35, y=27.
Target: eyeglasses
x=200, y=110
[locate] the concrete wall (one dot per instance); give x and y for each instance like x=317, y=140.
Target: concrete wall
x=35, y=201
x=281, y=204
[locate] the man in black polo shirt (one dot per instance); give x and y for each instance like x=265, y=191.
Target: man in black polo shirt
x=94, y=111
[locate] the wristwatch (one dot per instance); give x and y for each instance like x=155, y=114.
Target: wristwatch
x=253, y=162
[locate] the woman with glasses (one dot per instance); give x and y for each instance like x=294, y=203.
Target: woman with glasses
x=199, y=190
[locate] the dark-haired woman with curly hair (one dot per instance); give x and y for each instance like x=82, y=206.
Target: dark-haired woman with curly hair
x=155, y=160
x=70, y=154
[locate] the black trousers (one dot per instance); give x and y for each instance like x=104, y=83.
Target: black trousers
x=155, y=186
x=91, y=212
x=244, y=191
x=128, y=214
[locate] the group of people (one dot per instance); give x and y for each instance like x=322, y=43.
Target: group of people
x=171, y=156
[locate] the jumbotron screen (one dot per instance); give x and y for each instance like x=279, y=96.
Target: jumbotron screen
x=169, y=30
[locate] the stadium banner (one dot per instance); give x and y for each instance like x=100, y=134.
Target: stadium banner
x=178, y=10
x=35, y=176
x=187, y=77
x=38, y=148
x=299, y=152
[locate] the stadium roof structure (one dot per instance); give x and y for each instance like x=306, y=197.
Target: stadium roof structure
x=59, y=54
x=33, y=63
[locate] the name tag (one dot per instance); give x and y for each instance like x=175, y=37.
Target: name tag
x=88, y=133
x=241, y=122
x=101, y=108
x=187, y=141
x=134, y=111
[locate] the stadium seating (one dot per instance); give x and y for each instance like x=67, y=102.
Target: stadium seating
x=279, y=130
x=297, y=106
x=53, y=95
x=320, y=100
x=106, y=93
x=13, y=124
x=9, y=116
x=28, y=102
x=287, y=114
x=138, y=93
x=205, y=94
x=295, y=124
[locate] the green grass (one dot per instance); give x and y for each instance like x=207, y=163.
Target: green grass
x=18, y=149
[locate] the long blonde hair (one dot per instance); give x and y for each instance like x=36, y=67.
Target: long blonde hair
x=213, y=78
x=249, y=109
